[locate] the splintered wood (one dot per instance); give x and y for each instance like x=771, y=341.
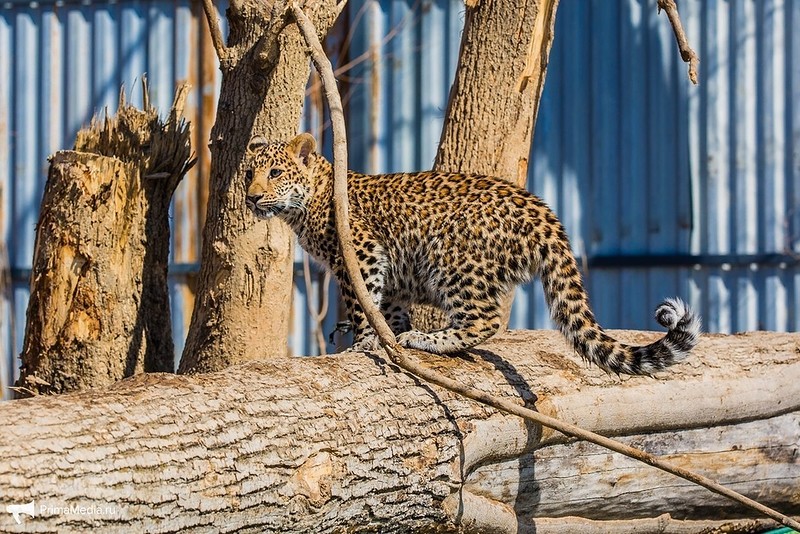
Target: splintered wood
x=99, y=307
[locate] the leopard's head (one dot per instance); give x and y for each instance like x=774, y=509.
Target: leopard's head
x=280, y=177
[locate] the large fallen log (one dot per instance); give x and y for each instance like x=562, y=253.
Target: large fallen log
x=323, y=444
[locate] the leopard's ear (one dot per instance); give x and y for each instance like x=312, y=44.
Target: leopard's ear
x=302, y=147
x=256, y=143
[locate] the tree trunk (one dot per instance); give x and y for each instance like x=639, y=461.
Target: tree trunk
x=347, y=443
x=99, y=305
x=494, y=99
x=244, y=289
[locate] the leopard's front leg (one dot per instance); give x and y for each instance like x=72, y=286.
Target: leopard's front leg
x=373, y=264
x=364, y=337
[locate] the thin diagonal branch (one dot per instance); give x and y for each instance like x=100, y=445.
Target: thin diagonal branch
x=401, y=357
x=687, y=53
x=340, y=7
x=216, y=33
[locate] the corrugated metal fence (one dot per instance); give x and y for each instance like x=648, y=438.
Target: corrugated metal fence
x=666, y=189
x=61, y=62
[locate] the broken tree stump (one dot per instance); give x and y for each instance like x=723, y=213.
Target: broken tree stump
x=99, y=304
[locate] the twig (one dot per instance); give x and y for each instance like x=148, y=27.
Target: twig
x=687, y=53
x=365, y=56
x=317, y=315
x=339, y=8
x=400, y=356
x=216, y=33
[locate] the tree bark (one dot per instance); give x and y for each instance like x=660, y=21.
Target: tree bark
x=99, y=305
x=488, y=127
x=346, y=442
x=241, y=309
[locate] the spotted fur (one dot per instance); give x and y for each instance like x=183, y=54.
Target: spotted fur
x=459, y=242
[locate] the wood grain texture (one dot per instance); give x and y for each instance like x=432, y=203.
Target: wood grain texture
x=99, y=306
x=247, y=265
x=322, y=444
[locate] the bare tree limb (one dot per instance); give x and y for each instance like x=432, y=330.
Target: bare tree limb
x=216, y=33
x=342, y=208
x=481, y=514
x=400, y=356
x=317, y=312
x=294, y=444
x=687, y=53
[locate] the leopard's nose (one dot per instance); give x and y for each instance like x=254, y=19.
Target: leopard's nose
x=253, y=198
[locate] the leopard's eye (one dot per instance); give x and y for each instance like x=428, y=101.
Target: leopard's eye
x=274, y=173
x=248, y=175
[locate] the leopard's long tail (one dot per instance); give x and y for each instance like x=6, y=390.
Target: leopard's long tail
x=569, y=308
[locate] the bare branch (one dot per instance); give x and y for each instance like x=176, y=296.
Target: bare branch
x=216, y=33
x=317, y=313
x=687, y=53
x=400, y=356
x=342, y=209
x=478, y=511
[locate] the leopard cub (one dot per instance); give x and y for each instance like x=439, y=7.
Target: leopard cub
x=459, y=242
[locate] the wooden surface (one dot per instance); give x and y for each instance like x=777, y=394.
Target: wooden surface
x=316, y=444
x=99, y=306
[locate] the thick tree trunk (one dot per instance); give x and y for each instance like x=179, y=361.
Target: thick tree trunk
x=490, y=114
x=99, y=306
x=348, y=443
x=495, y=96
x=244, y=292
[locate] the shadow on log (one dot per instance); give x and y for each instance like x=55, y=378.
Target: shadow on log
x=328, y=443
x=99, y=306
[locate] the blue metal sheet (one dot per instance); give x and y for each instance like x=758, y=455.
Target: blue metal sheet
x=6, y=293
x=633, y=187
x=402, y=86
x=105, y=68
x=599, y=193
x=433, y=58
x=133, y=33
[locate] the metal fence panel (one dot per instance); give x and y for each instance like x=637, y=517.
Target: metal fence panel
x=665, y=189
x=636, y=162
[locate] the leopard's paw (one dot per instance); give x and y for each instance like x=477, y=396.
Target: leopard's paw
x=414, y=339
x=368, y=343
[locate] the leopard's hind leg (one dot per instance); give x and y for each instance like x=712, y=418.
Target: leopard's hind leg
x=472, y=321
